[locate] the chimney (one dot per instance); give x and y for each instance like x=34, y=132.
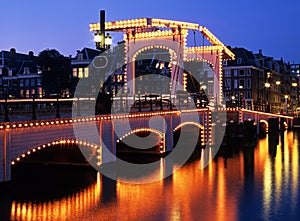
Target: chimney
x=260, y=51
x=31, y=54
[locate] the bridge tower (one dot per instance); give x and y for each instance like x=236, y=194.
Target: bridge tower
x=148, y=33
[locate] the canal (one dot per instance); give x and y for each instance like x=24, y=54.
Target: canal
x=241, y=183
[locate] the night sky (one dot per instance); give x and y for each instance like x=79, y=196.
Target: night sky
x=270, y=25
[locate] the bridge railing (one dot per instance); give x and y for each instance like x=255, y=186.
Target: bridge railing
x=32, y=109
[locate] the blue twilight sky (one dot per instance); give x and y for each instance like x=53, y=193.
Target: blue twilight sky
x=272, y=25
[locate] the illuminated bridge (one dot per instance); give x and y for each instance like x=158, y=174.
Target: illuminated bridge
x=21, y=139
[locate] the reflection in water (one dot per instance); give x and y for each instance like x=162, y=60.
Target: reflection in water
x=241, y=183
x=57, y=209
x=281, y=179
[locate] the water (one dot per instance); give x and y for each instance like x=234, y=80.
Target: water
x=241, y=183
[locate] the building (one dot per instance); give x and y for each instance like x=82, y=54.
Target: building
x=113, y=78
x=19, y=75
x=259, y=82
x=244, y=79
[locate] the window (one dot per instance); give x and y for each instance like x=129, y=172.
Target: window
x=32, y=82
x=235, y=73
x=10, y=72
x=227, y=73
x=225, y=63
x=0, y=71
x=227, y=84
x=249, y=95
x=79, y=56
x=242, y=73
x=26, y=70
x=27, y=83
x=239, y=60
x=75, y=72
x=86, y=72
x=249, y=83
x=235, y=83
x=242, y=83
x=80, y=72
x=248, y=72
x=21, y=83
x=0, y=81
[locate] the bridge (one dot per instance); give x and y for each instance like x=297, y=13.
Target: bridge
x=21, y=139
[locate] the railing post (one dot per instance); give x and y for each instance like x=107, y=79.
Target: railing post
x=161, y=102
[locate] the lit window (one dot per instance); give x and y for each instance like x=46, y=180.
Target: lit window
x=80, y=73
x=75, y=72
x=86, y=72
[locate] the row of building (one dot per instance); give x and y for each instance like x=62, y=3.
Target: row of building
x=253, y=80
x=258, y=82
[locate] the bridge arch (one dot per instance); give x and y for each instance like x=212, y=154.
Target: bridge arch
x=265, y=123
x=190, y=123
x=96, y=148
x=151, y=130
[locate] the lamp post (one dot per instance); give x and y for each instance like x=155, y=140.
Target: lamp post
x=239, y=96
x=33, y=108
x=295, y=95
x=286, y=103
x=268, y=85
x=108, y=41
x=97, y=39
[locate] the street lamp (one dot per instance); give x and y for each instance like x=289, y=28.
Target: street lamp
x=268, y=85
x=286, y=103
x=98, y=39
x=239, y=97
x=108, y=41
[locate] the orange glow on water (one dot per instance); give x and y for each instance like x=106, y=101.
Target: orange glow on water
x=214, y=192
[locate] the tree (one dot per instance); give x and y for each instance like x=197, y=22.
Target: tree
x=56, y=72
